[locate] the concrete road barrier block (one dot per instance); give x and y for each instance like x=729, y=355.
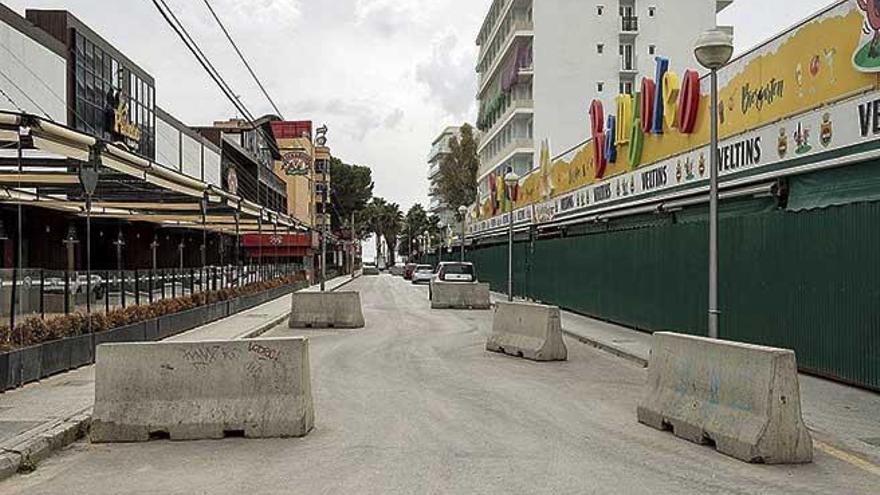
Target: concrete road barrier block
x=451, y=295
x=532, y=331
x=201, y=390
x=370, y=270
x=326, y=310
x=742, y=398
x=397, y=270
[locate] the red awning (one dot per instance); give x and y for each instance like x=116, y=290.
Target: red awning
x=303, y=240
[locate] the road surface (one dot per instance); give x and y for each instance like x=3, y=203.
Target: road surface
x=413, y=404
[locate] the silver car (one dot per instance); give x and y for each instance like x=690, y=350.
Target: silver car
x=423, y=273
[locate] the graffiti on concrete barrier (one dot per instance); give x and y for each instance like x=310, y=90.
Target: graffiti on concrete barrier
x=206, y=355
x=263, y=352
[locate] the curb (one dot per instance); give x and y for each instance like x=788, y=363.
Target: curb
x=23, y=457
x=621, y=353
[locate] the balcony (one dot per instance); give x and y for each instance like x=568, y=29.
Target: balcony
x=524, y=31
x=514, y=109
x=629, y=26
x=629, y=66
x=516, y=146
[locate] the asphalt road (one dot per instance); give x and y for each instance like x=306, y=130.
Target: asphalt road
x=413, y=404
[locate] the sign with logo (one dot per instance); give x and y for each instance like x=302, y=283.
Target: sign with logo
x=232, y=180
x=658, y=138
x=296, y=162
x=122, y=125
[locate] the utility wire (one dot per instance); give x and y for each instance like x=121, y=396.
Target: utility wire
x=206, y=64
x=16, y=86
x=243, y=59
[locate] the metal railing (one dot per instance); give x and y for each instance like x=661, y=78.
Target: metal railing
x=49, y=293
x=629, y=24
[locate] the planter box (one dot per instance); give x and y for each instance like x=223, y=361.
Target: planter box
x=31, y=362
x=81, y=353
x=151, y=330
x=180, y=322
x=214, y=312
x=128, y=333
x=54, y=357
x=7, y=374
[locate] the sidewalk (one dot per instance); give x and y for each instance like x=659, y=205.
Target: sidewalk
x=838, y=415
x=42, y=417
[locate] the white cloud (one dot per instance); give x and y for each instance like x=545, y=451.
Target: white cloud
x=449, y=76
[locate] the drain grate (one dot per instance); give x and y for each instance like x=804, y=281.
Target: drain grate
x=875, y=441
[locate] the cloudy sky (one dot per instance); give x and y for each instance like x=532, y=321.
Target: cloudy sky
x=384, y=75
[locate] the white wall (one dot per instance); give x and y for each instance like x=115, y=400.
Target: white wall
x=192, y=157
x=167, y=144
x=568, y=66
x=43, y=78
x=212, y=168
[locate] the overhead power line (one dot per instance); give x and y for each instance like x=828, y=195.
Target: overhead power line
x=243, y=59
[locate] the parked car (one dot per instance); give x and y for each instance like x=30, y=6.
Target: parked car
x=408, y=271
x=370, y=268
x=423, y=273
x=453, y=271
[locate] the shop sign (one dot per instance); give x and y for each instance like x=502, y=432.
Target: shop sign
x=121, y=122
x=768, y=101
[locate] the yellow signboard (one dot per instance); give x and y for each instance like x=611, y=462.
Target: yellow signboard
x=828, y=58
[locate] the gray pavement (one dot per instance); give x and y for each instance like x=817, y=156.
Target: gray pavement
x=30, y=411
x=414, y=404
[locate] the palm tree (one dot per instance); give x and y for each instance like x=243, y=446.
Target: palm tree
x=385, y=220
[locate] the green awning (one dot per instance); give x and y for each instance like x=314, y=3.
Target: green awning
x=835, y=187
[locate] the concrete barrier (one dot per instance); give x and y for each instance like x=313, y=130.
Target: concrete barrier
x=397, y=270
x=199, y=390
x=742, y=398
x=370, y=270
x=326, y=310
x=451, y=295
x=532, y=331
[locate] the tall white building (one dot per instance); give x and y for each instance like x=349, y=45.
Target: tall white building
x=439, y=150
x=542, y=62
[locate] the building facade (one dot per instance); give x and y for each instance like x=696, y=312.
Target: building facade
x=439, y=151
x=542, y=63
x=505, y=92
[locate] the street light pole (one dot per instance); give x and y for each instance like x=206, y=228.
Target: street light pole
x=462, y=211
x=510, y=180
x=713, y=50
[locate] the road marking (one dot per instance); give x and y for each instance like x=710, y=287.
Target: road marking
x=848, y=458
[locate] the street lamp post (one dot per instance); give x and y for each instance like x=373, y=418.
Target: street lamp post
x=462, y=210
x=510, y=180
x=713, y=50
x=427, y=245
x=440, y=242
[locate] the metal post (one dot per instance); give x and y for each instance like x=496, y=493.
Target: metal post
x=351, y=249
x=238, y=246
x=713, y=211
x=463, y=220
x=89, y=265
x=510, y=258
x=18, y=251
x=120, y=241
x=324, y=239
x=137, y=288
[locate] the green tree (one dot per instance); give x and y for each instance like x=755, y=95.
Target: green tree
x=352, y=188
x=385, y=221
x=415, y=223
x=457, y=179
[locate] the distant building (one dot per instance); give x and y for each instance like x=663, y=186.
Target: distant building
x=541, y=63
x=439, y=150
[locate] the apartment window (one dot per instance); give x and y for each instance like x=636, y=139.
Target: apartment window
x=600, y=48
x=651, y=11
x=600, y=9
x=626, y=87
x=652, y=49
x=600, y=87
